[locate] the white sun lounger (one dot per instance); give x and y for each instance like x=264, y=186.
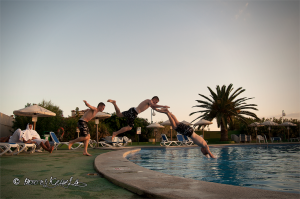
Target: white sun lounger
x=5, y=148
x=188, y=140
x=118, y=142
x=166, y=142
x=25, y=147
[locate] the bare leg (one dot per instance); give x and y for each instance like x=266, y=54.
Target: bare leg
x=47, y=144
x=85, y=140
x=50, y=149
x=122, y=130
x=174, y=118
x=118, y=112
x=86, y=144
x=173, y=123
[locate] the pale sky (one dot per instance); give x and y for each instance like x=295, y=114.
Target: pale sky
x=69, y=51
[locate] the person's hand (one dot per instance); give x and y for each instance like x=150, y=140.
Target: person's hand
x=84, y=101
x=166, y=107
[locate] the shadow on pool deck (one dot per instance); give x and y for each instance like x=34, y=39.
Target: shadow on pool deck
x=116, y=168
x=61, y=164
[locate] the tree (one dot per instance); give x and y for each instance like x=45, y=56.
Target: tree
x=224, y=107
x=43, y=123
x=115, y=123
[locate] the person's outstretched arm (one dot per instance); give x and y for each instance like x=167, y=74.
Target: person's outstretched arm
x=209, y=153
x=88, y=105
x=154, y=106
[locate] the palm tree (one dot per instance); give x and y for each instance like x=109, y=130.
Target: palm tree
x=225, y=107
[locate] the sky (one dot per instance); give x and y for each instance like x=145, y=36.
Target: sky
x=70, y=51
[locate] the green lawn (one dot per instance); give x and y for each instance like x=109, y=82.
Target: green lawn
x=62, y=165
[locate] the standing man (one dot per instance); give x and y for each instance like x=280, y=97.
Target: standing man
x=132, y=113
x=84, y=135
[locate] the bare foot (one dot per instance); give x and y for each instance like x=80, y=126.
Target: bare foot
x=113, y=136
x=87, y=154
x=111, y=101
x=70, y=145
x=52, y=148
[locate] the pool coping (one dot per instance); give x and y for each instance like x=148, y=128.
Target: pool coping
x=116, y=168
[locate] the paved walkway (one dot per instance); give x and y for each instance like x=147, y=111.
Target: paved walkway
x=117, y=169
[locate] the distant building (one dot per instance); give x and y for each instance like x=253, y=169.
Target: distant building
x=6, y=123
x=80, y=113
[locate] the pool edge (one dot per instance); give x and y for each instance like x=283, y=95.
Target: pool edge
x=116, y=168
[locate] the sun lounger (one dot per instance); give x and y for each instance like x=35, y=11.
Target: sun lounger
x=5, y=148
x=188, y=140
x=58, y=144
x=166, y=142
x=181, y=140
x=107, y=143
x=127, y=140
x=260, y=138
x=25, y=147
x=275, y=139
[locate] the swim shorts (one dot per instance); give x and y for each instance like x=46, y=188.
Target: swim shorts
x=130, y=115
x=184, y=129
x=84, y=129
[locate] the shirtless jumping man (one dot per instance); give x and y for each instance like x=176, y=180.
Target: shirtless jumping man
x=188, y=131
x=84, y=135
x=132, y=113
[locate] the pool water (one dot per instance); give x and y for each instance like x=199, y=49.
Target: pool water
x=272, y=167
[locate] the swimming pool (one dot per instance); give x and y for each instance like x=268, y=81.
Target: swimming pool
x=270, y=167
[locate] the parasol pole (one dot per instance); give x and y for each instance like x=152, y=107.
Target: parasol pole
x=97, y=122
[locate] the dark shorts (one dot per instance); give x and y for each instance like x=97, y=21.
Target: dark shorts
x=83, y=127
x=130, y=115
x=184, y=129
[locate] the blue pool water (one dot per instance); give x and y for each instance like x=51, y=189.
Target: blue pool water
x=273, y=167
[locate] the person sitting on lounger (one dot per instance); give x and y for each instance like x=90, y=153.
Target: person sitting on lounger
x=188, y=131
x=30, y=134
x=19, y=136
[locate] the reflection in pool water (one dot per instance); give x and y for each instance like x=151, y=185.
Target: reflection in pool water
x=273, y=167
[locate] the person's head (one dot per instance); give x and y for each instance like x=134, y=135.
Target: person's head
x=155, y=100
x=101, y=106
x=30, y=126
x=204, y=151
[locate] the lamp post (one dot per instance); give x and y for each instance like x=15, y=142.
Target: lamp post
x=152, y=113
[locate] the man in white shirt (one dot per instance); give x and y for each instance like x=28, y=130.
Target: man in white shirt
x=30, y=134
x=19, y=136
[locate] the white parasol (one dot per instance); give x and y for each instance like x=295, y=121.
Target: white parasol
x=269, y=123
x=155, y=126
x=34, y=111
x=288, y=124
x=255, y=124
x=187, y=123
